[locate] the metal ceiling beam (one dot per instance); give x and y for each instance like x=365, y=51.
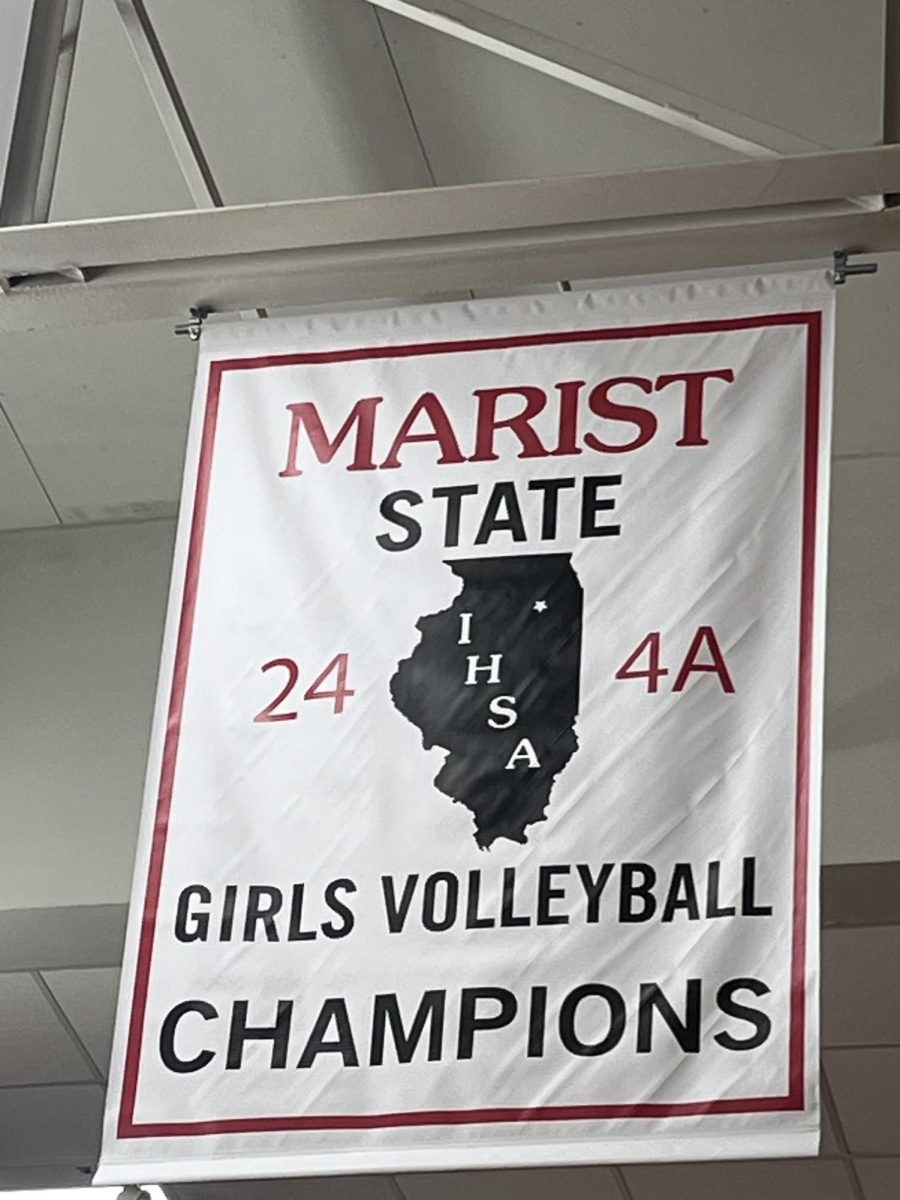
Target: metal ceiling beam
x=609, y=80
x=27, y=185
x=439, y=268
x=169, y=104
x=444, y=211
x=439, y=240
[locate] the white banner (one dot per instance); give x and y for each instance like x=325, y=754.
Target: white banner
x=481, y=824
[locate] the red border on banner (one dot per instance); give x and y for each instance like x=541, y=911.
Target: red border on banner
x=794, y=1099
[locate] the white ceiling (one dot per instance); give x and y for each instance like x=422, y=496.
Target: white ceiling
x=102, y=412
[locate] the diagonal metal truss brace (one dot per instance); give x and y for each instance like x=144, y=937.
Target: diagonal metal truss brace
x=169, y=104
x=609, y=80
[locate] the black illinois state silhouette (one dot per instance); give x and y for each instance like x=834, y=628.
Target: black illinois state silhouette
x=495, y=681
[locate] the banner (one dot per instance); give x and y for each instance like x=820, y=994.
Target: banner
x=481, y=824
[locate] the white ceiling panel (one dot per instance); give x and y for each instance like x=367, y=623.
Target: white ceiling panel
x=103, y=412
x=291, y=99
x=856, y=963
x=572, y=1183
x=880, y=1178
x=867, y=362
x=55, y=1175
x=353, y=1187
x=860, y=800
x=88, y=998
x=34, y=1046
x=43, y=1126
x=483, y=118
x=114, y=157
x=862, y=677
x=790, y=1179
x=866, y=1086
x=80, y=637
x=22, y=500
x=812, y=68
x=828, y=1146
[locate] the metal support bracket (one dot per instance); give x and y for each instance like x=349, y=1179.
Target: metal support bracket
x=194, y=327
x=842, y=269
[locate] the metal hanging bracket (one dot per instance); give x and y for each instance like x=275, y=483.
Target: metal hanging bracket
x=194, y=327
x=842, y=269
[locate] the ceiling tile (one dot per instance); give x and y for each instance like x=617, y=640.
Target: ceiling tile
x=861, y=894
x=34, y=1179
x=43, y=1126
x=88, y=998
x=59, y=1175
x=785, y=1179
x=103, y=413
x=862, y=674
x=573, y=1183
x=855, y=963
x=34, y=1046
x=828, y=1146
x=353, y=1187
x=867, y=363
x=866, y=1087
x=880, y=1177
x=62, y=936
x=22, y=500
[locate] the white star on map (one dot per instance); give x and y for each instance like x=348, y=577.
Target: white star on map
x=540, y=606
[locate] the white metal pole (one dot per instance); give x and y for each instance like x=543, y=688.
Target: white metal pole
x=27, y=185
